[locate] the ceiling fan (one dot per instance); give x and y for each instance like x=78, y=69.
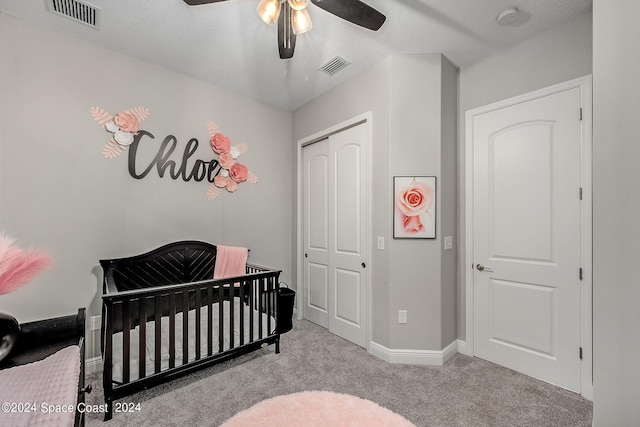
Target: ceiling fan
x=292, y=17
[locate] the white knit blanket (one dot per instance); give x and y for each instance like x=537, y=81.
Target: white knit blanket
x=42, y=393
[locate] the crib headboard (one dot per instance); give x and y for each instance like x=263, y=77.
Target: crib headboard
x=179, y=262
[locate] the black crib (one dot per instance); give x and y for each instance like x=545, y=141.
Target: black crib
x=173, y=285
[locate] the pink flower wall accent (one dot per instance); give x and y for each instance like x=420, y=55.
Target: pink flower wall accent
x=232, y=173
x=123, y=127
x=220, y=144
x=414, y=207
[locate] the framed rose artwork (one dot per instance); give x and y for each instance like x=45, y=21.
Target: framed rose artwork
x=414, y=207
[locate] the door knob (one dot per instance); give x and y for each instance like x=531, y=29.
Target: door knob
x=481, y=267
x=364, y=265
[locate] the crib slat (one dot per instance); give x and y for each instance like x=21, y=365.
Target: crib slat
x=252, y=300
x=185, y=327
x=220, y=319
x=241, y=313
x=142, y=338
x=209, y=320
x=107, y=383
x=261, y=306
x=126, y=341
x=232, y=291
x=198, y=319
x=172, y=330
x=158, y=326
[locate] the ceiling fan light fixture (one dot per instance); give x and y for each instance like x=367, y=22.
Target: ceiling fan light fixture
x=298, y=4
x=268, y=11
x=300, y=21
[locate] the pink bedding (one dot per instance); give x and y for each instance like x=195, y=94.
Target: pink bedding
x=231, y=261
x=42, y=393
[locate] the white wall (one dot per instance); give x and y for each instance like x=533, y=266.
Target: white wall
x=558, y=55
x=59, y=193
x=616, y=200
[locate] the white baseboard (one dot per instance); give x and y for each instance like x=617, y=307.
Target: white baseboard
x=414, y=357
x=463, y=348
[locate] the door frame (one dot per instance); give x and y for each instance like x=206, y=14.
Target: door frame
x=365, y=118
x=586, y=250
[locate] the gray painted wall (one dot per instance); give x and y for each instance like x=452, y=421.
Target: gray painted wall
x=616, y=202
x=404, y=94
x=59, y=193
x=449, y=202
x=558, y=55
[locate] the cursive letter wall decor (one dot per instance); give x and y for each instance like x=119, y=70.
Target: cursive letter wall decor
x=198, y=172
x=224, y=172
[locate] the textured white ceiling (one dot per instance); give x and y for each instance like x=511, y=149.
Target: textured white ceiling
x=226, y=44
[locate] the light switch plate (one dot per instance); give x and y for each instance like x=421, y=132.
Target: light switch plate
x=402, y=316
x=380, y=242
x=448, y=242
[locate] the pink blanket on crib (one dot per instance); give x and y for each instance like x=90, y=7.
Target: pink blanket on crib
x=231, y=261
x=42, y=393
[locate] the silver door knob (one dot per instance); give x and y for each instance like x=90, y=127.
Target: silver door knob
x=481, y=267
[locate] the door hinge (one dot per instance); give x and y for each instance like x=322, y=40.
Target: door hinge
x=580, y=193
x=580, y=353
x=580, y=113
x=580, y=273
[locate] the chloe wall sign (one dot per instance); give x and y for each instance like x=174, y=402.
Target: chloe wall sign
x=222, y=171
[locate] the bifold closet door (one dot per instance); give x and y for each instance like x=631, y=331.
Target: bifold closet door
x=334, y=226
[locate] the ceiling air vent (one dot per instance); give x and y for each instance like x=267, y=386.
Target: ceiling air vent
x=79, y=11
x=334, y=65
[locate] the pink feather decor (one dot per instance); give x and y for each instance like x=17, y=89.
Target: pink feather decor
x=18, y=266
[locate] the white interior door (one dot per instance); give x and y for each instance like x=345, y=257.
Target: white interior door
x=316, y=232
x=335, y=221
x=527, y=233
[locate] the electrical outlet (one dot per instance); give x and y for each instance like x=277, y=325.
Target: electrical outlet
x=402, y=316
x=96, y=323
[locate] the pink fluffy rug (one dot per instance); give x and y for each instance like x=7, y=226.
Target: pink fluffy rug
x=317, y=409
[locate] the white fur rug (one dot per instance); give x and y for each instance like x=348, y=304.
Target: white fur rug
x=317, y=409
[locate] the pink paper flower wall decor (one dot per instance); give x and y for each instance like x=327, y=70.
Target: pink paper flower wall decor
x=231, y=171
x=18, y=266
x=123, y=127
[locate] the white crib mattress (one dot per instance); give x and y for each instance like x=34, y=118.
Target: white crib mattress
x=164, y=353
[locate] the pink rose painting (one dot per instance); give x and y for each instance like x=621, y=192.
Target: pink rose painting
x=414, y=207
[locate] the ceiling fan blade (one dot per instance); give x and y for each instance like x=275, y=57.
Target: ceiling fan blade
x=286, y=36
x=353, y=11
x=199, y=2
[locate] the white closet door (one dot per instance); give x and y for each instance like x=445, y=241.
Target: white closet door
x=316, y=232
x=335, y=215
